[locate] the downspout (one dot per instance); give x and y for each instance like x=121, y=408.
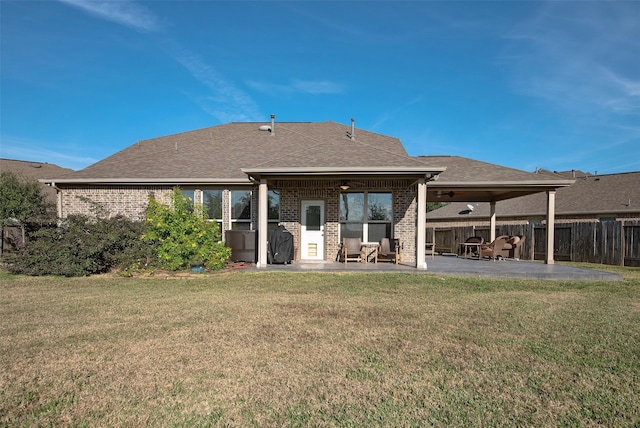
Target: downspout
x=58, y=198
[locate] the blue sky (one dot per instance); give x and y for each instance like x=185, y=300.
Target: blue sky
x=524, y=84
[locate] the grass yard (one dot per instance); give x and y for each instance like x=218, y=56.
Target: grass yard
x=309, y=349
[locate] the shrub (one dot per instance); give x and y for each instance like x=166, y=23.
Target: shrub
x=182, y=234
x=82, y=246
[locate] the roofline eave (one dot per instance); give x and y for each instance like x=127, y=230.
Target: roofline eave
x=412, y=171
x=147, y=181
x=501, y=185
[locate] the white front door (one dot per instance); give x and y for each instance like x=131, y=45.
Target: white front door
x=312, y=232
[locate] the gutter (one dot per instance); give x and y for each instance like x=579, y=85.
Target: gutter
x=257, y=173
x=146, y=181
x=493, y=185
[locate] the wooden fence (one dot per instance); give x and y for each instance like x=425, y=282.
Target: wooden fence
x=607, y=242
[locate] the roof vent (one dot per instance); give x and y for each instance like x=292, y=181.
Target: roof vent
x=265, y=128
x=352, y=134
x=273, y=124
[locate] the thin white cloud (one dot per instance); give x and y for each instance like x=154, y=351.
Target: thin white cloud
x=311, y=87
x=122, y=12
x=318, y=87
x=37, y=151
x=226, y=102
x=579, y=59
x=582, y=57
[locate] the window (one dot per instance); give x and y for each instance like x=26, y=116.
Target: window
x=241, y=210
x=273, y=211
x=212, y=205
x=211, y=199
x=366, y=215
x=189, y=193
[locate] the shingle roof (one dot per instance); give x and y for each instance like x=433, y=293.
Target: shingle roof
x=35, y=171
x=461, y=170
x=227, y=153
x=221, y=151
x=590, y=194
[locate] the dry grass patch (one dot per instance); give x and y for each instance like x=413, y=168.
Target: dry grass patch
x=274, y=349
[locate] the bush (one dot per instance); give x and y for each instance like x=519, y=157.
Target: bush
x=182, y=235
x=83, y=246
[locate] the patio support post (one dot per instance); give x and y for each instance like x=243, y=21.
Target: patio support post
x=262, y=223
x=492, y=221
x=421, y=227
x=551, y=220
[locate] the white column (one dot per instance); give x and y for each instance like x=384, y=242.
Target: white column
x=492, y=221
x=551, y=220
x=421, y=226
x=262, y=223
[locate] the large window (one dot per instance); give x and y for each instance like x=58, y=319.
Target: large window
x=273, y=211
x=189, y=193
x=212, y=204
x=211, y=199
x=366, y=215
x=241, y=210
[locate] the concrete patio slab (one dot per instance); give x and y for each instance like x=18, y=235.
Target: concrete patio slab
x=461, y=267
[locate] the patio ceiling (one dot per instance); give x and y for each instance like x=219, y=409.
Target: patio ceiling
x=488, y=192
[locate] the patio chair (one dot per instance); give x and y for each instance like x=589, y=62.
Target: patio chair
x=430, y=249
x=352, y=250
x=494, y=250
x=388, y=250
x=511, y=248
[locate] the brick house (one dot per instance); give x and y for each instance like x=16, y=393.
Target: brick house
x=321, y=180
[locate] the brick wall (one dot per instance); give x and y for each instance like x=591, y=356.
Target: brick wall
x=293, y=192
x=132, y=201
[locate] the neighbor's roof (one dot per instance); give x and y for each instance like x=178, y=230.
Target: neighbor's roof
x=589, y=195
x=220, y=153
x=35, y=171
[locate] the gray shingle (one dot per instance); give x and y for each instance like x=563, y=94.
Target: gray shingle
x=221, y=151
x=589, y=195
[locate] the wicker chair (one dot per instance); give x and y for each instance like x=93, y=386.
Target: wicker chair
x=494, y=249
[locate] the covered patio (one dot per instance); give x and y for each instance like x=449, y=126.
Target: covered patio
x=450, y=265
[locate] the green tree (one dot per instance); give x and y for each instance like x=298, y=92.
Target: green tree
x=22, y=200
x=435, y=205
x=183, y=235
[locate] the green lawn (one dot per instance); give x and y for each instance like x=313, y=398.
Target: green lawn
x=309, y=349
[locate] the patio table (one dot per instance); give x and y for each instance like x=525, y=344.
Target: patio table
x=468, y=249
x=370, y=249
